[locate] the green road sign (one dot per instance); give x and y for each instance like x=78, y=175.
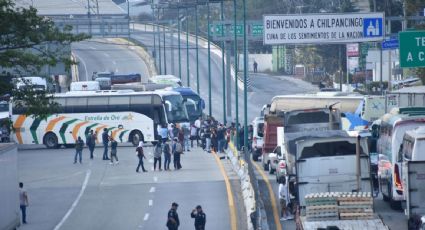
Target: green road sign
x=412, y=48
x=257, y=30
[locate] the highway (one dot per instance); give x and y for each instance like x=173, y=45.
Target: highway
x=264, y=87
x=97, y=195
x=99, y=55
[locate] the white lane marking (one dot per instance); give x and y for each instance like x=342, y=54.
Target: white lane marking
x=83, y=188
x=150, y=202
x=93, y=48
x=152, y=168
x=85, y=66
x=146, y=217
x=152, y=190
x=106, y=54
x=155, y=178
x=150, y=160
x=114, y=62
x=116, y=70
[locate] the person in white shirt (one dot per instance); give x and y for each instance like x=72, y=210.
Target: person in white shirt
x=23, y=202
x=283, y=198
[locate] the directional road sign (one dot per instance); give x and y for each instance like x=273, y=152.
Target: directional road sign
x=412, y=48
x=390, y=44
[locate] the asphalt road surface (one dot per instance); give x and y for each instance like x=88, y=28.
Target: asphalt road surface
x=97, y=195
x=100, y=55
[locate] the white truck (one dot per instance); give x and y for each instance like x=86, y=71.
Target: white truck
x=9, y=194
x=331, y=162
x=415, y=195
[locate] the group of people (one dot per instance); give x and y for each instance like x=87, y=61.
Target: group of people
x=107, y=141
x=173, y=221
x=174, y=149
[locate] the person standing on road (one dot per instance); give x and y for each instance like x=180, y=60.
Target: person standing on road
x=163, y=132
x=114, y=145
x=207, y=136
x=79, y=145
x=255, y=66
x=193, y=135
x=200, y=218
x=23, y=202
x=91, y=142
x=173, y=221
x=186, y=133
x=140, y=155
x=177, y=151
x=283, y=198
x=167, y=155
x=105, y=141
x=157, y=156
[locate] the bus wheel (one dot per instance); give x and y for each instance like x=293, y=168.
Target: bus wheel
x=51, y=141
x=135, y=137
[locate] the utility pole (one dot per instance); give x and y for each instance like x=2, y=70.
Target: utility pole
x=209, y=61
x=187, y=47
x=89, y=15
x=223, y=65
x=163, y=39
x=159, y=42
x=197, y=50
x=245, y=77
x=179, y=41
x=236, y=72
x=154, y=36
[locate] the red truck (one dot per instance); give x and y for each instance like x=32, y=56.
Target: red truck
x=271, y=122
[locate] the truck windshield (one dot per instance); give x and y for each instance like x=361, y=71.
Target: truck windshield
x=176, y=111
x=308, y=117
x=330, y=149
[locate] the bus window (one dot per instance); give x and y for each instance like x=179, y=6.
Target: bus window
x=98, y=104
x=76, y=105
x=119, y=103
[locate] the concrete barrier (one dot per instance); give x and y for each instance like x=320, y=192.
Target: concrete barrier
x=241, y=168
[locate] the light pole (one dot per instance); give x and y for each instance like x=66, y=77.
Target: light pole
x=178, y=38
x=196, y=44
x=209, y=60
x=154, y=36
x=159, y=43
x=187, y=47
x=223, y=65
x=236, y=72
x=245, y=76
x=163, y=40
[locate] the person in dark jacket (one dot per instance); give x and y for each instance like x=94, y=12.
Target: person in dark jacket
x=91, y=142
x=79, y=145
x=140, y=155
x=114, y=145
x=173, y=221
x=200, y=218
x=105, y=141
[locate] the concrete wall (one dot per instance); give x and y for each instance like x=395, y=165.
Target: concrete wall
x=9, y=194
x=265, y=62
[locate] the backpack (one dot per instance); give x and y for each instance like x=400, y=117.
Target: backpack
x=166, y=149
x=178, y=147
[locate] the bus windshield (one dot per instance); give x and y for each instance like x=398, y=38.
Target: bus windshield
x=175, y=109
x=4, y=107
x=193, y=106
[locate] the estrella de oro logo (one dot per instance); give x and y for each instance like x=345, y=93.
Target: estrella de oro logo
x=372, y=27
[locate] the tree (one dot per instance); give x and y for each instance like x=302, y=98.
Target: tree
x=22, y=34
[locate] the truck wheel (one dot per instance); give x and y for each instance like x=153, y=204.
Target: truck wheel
x=385, y=198
x=135, y=137
x=50, y=140
x=271, y=170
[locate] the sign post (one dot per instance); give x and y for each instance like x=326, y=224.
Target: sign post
x=323, y=28
x=412, y=49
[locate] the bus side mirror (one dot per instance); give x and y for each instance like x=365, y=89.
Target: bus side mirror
x=202, y=103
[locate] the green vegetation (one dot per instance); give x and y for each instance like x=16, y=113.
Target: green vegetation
x=22, y=34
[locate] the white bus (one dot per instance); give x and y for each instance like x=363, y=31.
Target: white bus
x=128, y=117
x=391, y=131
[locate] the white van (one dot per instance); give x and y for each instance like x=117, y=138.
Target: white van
x=85, y=86
x=38, y=83
x=257, y=137
x=412, y=149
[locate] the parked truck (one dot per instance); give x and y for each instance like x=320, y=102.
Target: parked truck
x=9, y=194
x=296, y=121
x=415, y=195
x=329, y=176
